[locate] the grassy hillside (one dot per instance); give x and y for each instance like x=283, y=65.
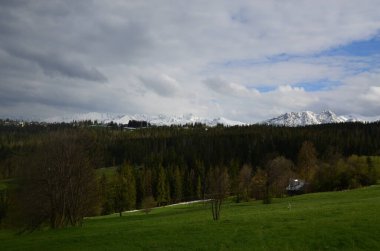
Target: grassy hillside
x=348, y=220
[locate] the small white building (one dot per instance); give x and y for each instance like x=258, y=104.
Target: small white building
x=296, y=186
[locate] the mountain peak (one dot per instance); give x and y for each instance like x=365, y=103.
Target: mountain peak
x=306, y=118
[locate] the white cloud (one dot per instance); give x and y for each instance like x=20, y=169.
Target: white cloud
x=174, y=57
x=358, y=94
x=161, y=84
x=373, y=94
x=229, y=88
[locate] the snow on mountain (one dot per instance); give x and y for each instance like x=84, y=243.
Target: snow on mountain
x=326, y=117
x=287, y=119
x=225, y=122
x=157, y=120
x=360, y=118
x=309, y=118
x=164, y=120
x=93, y=116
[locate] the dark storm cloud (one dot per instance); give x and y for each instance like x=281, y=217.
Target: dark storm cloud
x=58, y=95
x=72, y=38
x=51, y=50
x=53, y=64
x=41, y=45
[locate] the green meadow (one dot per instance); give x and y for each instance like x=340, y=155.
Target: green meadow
x=346, y=220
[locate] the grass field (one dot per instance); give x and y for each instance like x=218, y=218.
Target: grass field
x=348, y=220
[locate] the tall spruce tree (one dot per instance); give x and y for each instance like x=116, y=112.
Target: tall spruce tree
x=130, y=182
x=162, y=187
x=199, y=188
x=125, y=189
x=177, y=185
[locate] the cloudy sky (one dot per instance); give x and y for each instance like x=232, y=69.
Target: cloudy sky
x=243, y=60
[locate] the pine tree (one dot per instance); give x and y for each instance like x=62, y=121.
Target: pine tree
x=162, y=187
x=147, y=183
x=106, y=206
x=120, y=194
x=199, y=188
x=130, y=183
x=125, y=189
x=177, y=185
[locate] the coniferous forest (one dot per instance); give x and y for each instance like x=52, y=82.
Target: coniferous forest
x=57, y=174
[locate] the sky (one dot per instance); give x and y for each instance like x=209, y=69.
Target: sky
x=242, y=60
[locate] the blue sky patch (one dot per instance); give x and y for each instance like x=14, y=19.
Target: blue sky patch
x=358, y=48
x=244, y=63
x=319, y=85
x=363, y=48
x=264, y=89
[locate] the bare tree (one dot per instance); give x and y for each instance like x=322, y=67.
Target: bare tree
x=59, y=185
x=279, y=171
x=272, y=180
x=258, y=184
x=307, y=162
x=148, y=203
x=244, y=186
x=219, y=188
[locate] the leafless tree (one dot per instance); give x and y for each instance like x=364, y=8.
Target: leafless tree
x=258, y=184
x=59, y=185
x=272, y=180
x=219, y=188
x=278, y=170
x=148, y=203
x=244, y=186
x=307, y=161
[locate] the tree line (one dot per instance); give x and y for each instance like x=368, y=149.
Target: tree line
x=184, y=146
x=58, y=179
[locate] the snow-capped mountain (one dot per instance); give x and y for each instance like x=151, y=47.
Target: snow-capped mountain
x=360, y=118
x=164, y=120
x=157, y=120
x=309, y=118
x=93, y=116
x=287, y=119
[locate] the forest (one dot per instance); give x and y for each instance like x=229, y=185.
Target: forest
x=56, y=174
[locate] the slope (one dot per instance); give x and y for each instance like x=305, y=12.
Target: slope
x=347, y=220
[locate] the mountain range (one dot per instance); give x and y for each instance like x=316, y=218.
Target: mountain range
x=291, y=119
x=157, y=120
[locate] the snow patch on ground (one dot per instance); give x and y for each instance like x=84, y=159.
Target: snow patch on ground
x=171, y=205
